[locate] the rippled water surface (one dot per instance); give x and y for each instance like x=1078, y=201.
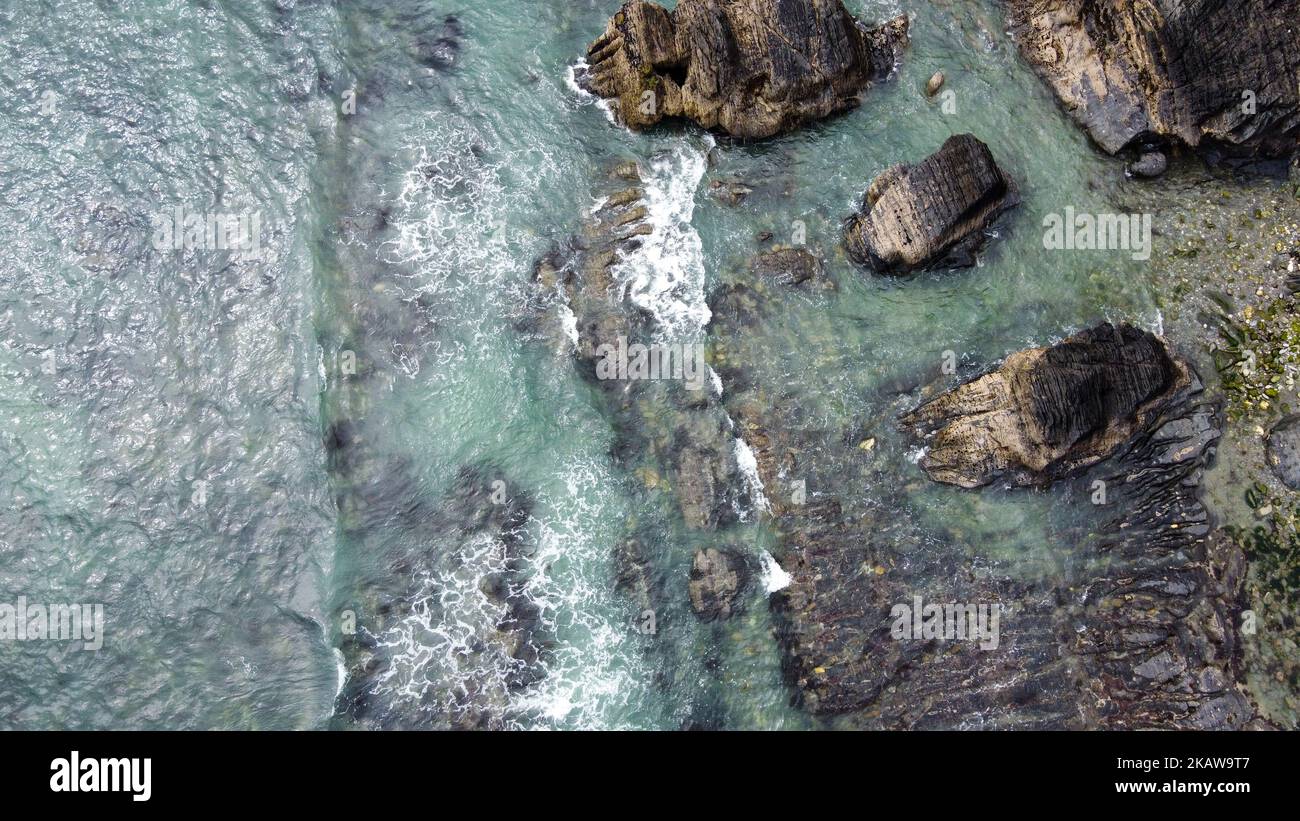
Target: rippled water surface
x=168, y=415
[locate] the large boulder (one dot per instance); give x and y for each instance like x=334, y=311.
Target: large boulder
x=932, y=214
x=1050, y=412
x=751, y=68
x=1196, y=72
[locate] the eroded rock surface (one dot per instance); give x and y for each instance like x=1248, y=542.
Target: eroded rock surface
x=1049, y=412
x=751, y=68
x=717, y=579
x=932, y=214
x=1203, y=73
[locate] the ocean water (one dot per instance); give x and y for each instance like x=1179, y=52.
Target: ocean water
x=172, y=416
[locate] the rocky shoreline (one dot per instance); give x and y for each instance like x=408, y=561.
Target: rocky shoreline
x=1170, y=74
x=1147, y=628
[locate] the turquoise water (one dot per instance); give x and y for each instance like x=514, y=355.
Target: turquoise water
x=408, y=169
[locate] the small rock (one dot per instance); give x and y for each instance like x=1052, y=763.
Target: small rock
x=935, y=83
x=1150, y=164
x=731, y=193
x=787, y=266
x=764, y=236
x=626, y=171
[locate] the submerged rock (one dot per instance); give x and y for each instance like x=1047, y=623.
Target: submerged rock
x=717, y=579
x=788, y=266
x=1046, y=413
x=751, y=69
x=450, y=630
x=674, y=423
x=1284, y=451
x=1197, y=72
x=932, y=214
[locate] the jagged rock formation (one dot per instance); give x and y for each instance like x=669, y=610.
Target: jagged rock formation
x=1049, y=412
x=1148, y=640
x=717, y=579
x=1197, y=72
x=1157, y=631
x=932, y=214
x=662, y=422
x=752, y=68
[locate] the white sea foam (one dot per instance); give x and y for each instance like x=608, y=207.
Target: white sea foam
x=569, y=322
x=444, y=655
x=342, y=669
x=665, y=276
x=584, y=96
x=774, y=576
x=597, y=670
x=748, y=464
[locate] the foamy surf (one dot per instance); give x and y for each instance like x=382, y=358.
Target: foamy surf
x=444, y=655
x=665, y=276
x=748, y=464
x=584, y=96
x=596, y=669
x=773, y=576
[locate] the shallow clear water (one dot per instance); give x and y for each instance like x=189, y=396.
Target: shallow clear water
x=172, y=464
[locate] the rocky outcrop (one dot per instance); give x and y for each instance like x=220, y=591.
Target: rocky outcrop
x=661, y=424
x=1147, y=638
x=717, y=579
x=751, y=68
x=1046, y=413
x=1137, y=628
x=1201, y=73
x=932, y=214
